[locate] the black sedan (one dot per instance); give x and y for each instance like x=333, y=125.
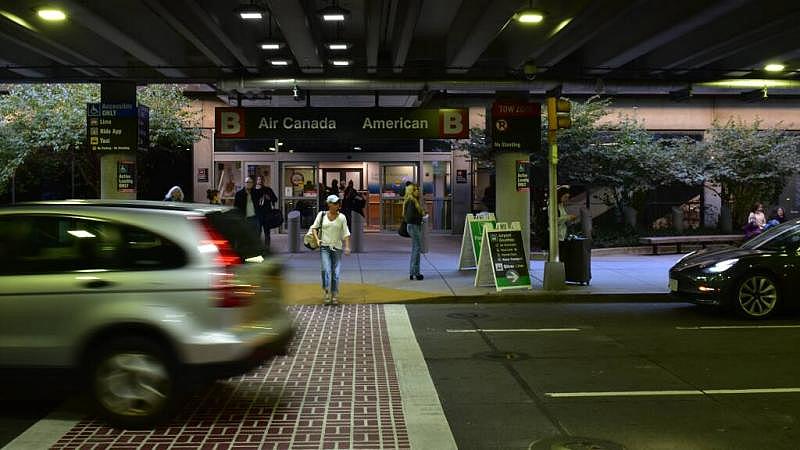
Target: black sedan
x=755, y=279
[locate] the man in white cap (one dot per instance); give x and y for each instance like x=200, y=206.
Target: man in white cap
x=333, y=236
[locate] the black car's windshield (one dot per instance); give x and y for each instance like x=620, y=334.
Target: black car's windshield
x=776, y=238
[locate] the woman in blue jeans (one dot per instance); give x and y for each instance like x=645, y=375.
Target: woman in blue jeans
x=332, y=234
x=412, y=214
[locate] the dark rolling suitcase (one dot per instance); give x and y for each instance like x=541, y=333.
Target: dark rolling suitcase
x=576, y=254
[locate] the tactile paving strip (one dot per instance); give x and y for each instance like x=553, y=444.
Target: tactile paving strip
x=337, y=389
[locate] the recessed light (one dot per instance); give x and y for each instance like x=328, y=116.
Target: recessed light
x=51, y=14
x=271, y=45
x=529, y=17
x=279, y=62
x=357, y=148
x=774, y=67
x=250, y=12
x=338, y=45
x=333, y=13
x=341, y=62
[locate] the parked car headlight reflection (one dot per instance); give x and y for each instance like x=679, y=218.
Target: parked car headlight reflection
x=722, y=266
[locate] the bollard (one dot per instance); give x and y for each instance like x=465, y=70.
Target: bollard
x=426, y=231
x=357, y=233
x=293, y=228
x=677, y=219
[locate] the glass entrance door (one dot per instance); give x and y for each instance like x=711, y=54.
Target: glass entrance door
x=300, y=192
x=393, y=186
x=437, y=194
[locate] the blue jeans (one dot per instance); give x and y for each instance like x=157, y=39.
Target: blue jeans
x=415, y=231
x=331, y=267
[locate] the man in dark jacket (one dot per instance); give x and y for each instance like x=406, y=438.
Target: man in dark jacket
x=248, y=201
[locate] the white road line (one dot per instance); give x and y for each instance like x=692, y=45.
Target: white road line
x=425, y=419
x=514, y=330
x=736, y=327
x=672, y=393
x=46, y=432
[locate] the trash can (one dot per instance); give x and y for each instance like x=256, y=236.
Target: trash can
x=357, y=233
x=293, y=229
x=576, y=254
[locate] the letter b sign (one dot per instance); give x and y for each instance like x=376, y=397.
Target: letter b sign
x=230, y=123
x=453, y=123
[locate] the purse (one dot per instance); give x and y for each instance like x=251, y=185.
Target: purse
x=403, y=230
x=308, y=240
x=274, y=218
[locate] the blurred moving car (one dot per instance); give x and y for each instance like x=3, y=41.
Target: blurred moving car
x=755, y=279
x=136, y=296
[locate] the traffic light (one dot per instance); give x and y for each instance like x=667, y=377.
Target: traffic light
x=558, y=114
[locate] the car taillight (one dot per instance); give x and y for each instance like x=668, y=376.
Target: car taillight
x=228, y=291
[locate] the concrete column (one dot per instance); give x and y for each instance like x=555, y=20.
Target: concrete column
x=512, y=206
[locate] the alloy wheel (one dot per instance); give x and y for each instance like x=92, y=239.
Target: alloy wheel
x=132, y=384
x=757, y=296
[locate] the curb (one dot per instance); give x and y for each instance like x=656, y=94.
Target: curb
x=545, y=297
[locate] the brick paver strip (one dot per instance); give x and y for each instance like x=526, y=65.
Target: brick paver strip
x=337, y=389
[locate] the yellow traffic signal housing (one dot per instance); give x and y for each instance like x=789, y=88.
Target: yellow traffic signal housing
x=558, y=114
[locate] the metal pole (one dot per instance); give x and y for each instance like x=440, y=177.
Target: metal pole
x=552, y=204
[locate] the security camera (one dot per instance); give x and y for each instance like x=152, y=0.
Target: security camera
x=529, y=70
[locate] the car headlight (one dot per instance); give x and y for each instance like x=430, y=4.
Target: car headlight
x=722, y=266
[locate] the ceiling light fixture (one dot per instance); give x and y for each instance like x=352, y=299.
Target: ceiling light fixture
x=251, y=12
x=279, y=62
x=269, y=43
x=333, y=13
x=529, y=16
x=341, y=62
x=51, y=14
x=338, y=45
x=774, y=67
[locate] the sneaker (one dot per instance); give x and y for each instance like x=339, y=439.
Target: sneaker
x=334, y=300
x=419, y=276
x=326, y=298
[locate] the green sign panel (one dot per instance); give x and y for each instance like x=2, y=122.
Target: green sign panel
x=508, y=258
x=476, y=227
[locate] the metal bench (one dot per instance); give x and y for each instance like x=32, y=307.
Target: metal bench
x=679, y=240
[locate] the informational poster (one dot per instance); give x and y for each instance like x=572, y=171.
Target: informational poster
x=516, y=127
x=523, y=181
x=202, y=175
x=471, y=239
x=461, y=176
x=117, y=127
x=126, y=176
x=503, y=262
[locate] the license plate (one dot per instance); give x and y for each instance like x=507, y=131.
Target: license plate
x=673, y=285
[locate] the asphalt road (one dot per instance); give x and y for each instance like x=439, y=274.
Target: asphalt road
x=643, y=376
x=640, y=375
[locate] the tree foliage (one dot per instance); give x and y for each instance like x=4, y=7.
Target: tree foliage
x=49, y=120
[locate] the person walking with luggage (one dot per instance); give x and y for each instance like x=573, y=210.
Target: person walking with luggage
x=412, y=215
x=563, y=216
x=333, y=238
x=266, y=205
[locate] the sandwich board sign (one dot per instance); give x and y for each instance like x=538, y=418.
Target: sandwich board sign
x=471, y=239
x=503, y=263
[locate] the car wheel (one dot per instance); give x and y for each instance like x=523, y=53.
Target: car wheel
x=132, y=383
x=756, y=296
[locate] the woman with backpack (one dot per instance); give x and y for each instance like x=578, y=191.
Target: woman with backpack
x=412, y=216
x=332, y=235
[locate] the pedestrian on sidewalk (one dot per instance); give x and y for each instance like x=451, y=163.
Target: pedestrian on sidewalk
x=756, y=221
x=175, y=194
x=333, y=237
x=247, y=201
x=412, y=214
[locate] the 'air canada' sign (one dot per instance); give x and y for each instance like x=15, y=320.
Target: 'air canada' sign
x=388, y=123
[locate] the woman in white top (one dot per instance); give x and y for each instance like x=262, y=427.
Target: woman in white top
x=331, y=233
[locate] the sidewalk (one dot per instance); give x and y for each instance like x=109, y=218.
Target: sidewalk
x=380, y=275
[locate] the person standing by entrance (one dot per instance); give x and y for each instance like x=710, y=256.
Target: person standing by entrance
x=247, y=202
x=266, y=205
x=412, y=214
x=333, y=237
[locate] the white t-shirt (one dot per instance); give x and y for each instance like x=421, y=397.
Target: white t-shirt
x=333, y=232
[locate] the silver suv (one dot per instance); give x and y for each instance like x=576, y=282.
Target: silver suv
x=137, y=296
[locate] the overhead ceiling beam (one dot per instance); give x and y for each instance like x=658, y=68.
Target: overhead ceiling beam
x=405, y=33
x=372, y=12
x=218, y=32
x=12, y=67
x=478, y=24
x=158, y=8
x=667, y=35
x=293, y=21
x=46, y=54
x=114, y=35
